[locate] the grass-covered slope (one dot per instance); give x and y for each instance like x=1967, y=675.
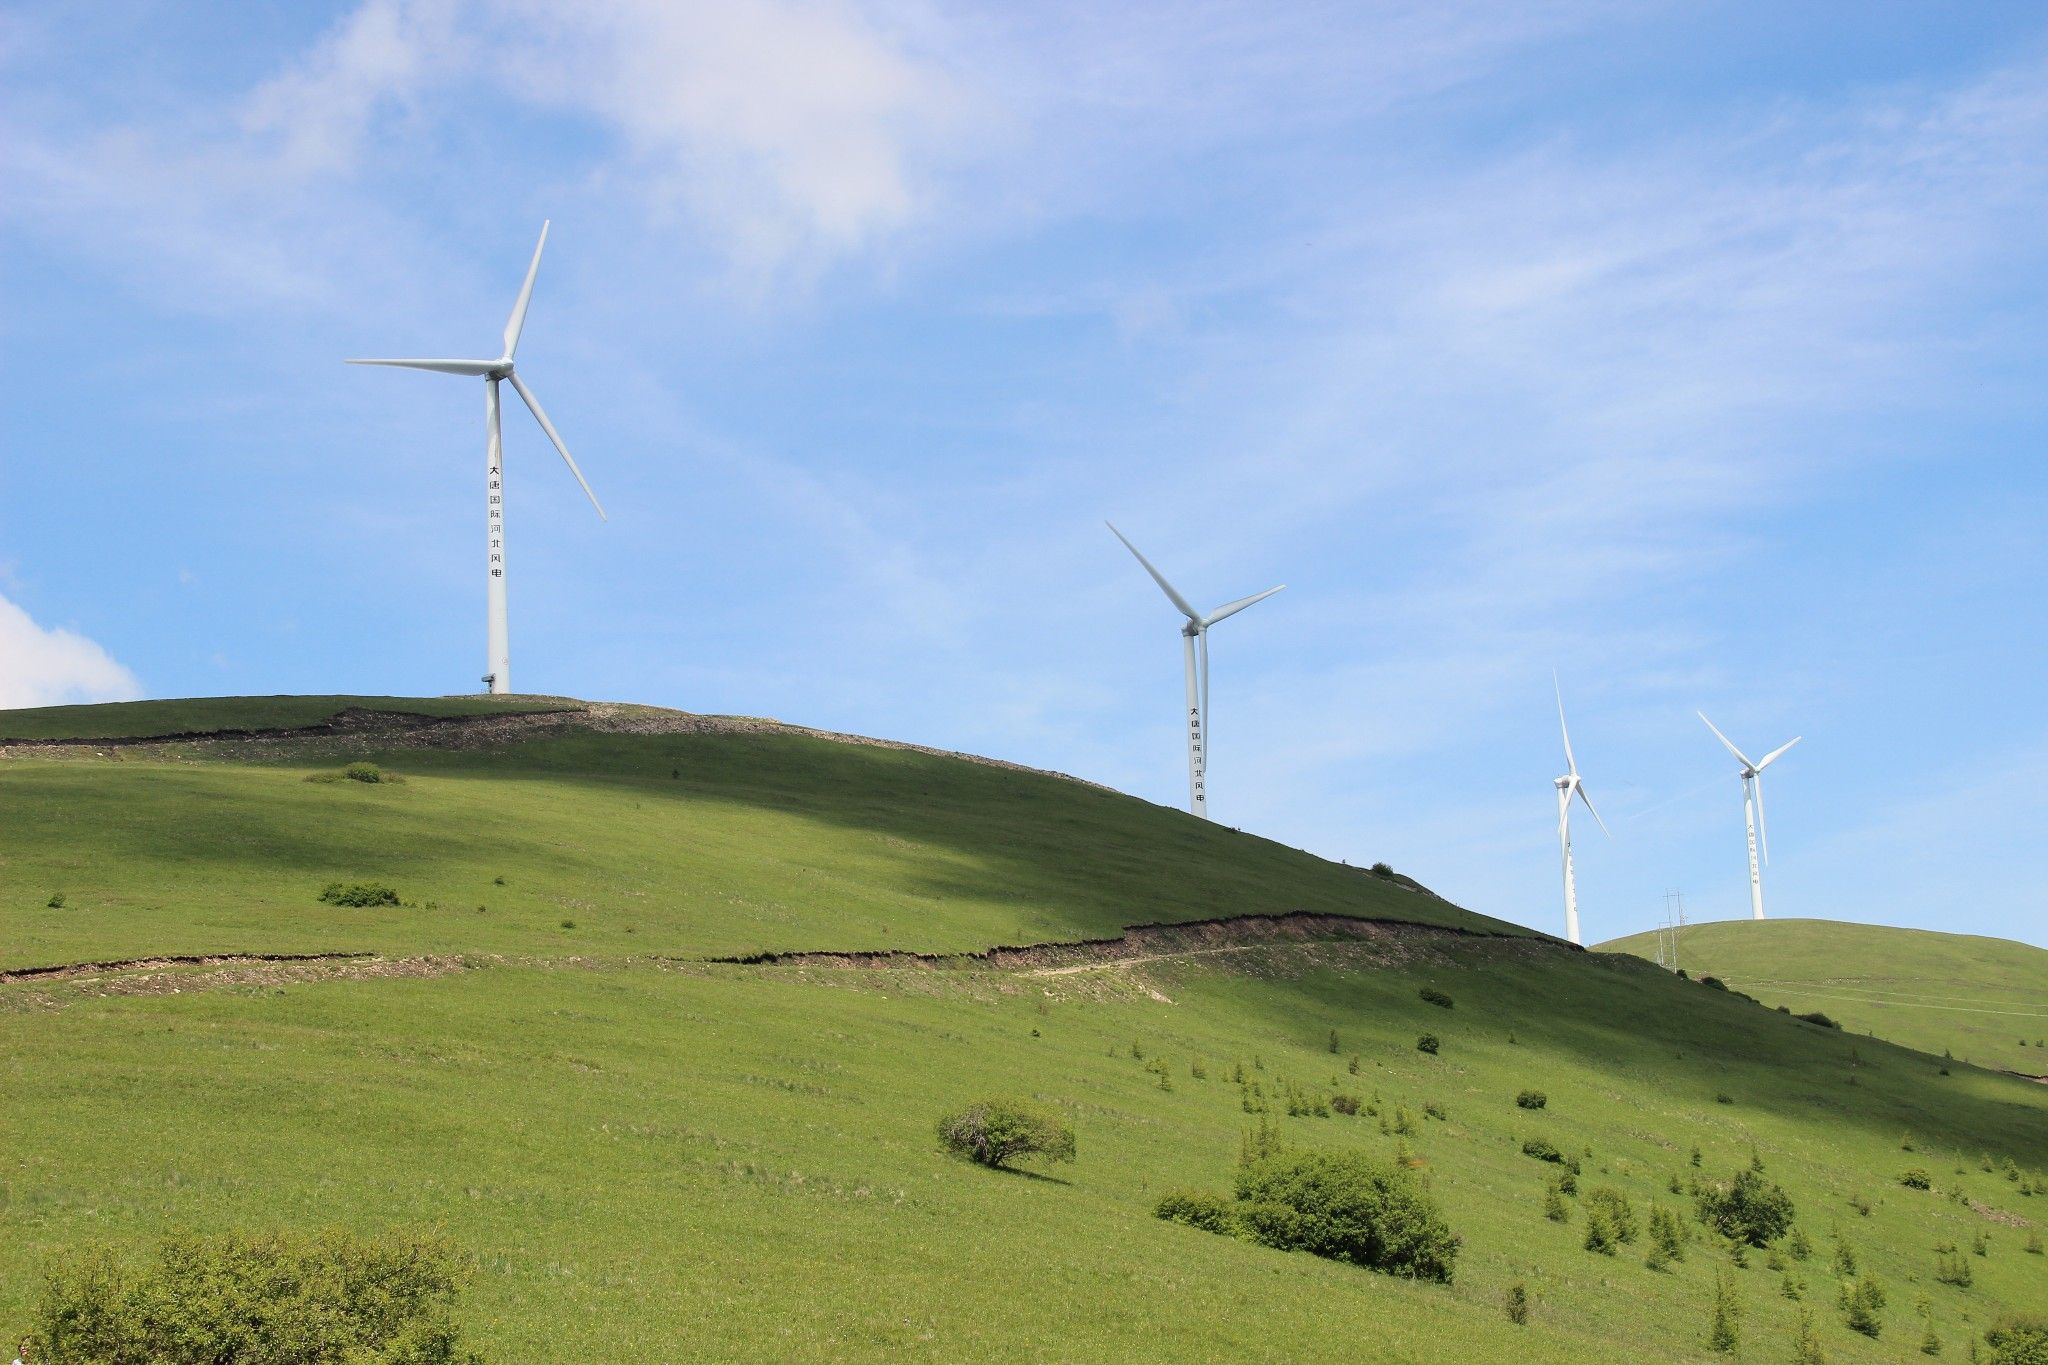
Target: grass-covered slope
x=709, y=843
x=647, y=1157
x=1983, y=999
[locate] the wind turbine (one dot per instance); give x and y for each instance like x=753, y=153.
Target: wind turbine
x=1568, y=786
x=1194, y=636
x=494, y=372
x=1753, y=810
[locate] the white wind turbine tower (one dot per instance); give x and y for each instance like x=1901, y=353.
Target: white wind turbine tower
x=1753, y=810
x=1568, y=786
x=1195, y=653
x=494, y=372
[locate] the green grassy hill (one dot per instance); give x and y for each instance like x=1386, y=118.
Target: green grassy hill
x=652, y=1156
x=1983, y=999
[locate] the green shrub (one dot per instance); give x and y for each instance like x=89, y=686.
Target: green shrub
x=1541, y=1150
x=1610, y=1219
x=1748, y=1208
x=1806, y=1345
x=2018, y=1341
x=266, y=1299
x=997, y=1132
x=363, y=772
x=1861, y=1305
x=1381, y=870
x=1433, y=996
x=1553, y=1204
x=1715, y=982
x=1532, y=1099
x=1348, y=1207
x=1197, y=1209
x=358, y=894
x=1916, y=1178
x=1816, y=1017
x=1722, y=1332
x=56, y=900
x=1426, y=1043
x=1515, y=1303
x=1345, y=1104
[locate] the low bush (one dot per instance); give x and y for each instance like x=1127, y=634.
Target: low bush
x=1916, y=1178
x=1714, y=982
x=1515, y=1303
x=1348, y=1207
x=355, y=772
x=1816, y=1017
x=1431, y=995
x=358, y=894
x=1345, y=1104
x=1541, y=1150
x=1197, y=1209
x=997, y=1132
x=1748, y=1208
x=267, y=1299
x=1610, y=1220
x=1427, y=1043
x=1532, y=1099
x=2018, y=1341
x=56, y=900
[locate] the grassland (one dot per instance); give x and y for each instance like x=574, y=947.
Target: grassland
x=651, y=1157
x=1982, y=999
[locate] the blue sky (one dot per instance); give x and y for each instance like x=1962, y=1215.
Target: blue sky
x=1694, y=351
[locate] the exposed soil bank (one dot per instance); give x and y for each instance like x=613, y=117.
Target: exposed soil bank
x=1148, y=942
x=133, y=964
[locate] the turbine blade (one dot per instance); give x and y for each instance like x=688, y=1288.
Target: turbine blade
x=1581, y=788
x=517, y=322
x=1570, y=763
x=1233, y=608
x=468, y=367
x=1765, y=761
x=533, y=406
x=1742, y=757
x=1172, y=594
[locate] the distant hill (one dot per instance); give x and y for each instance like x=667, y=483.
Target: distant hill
x=1983, y=999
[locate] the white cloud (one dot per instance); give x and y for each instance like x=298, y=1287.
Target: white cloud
x=41, y=666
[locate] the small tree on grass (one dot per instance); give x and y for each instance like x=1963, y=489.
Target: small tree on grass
x=1747, y=1208
x=1427, y=1043
x=1723, y=1332
x=1516, y=1303
x=1806, y=1344
x=1531, y=1099
x=1862, y=1305
x=269, y=1299
x=996, y=1132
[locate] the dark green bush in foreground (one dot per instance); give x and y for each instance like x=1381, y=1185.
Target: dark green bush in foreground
x=1532, y=1099
x=358, y=893
x=1342, y=1205
x=1348, y=1207
x=2018, y=1341
x=997, y=1132
x=270, y=1299
x=1748, y=1208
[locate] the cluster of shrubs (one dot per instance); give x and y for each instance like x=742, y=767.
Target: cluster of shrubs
x=270, y=1299
x=358, y=894
x=995, y=1133
x=1531, y=1099
x=1747, y=1209
x=1345, y=1206
x=1432, y=996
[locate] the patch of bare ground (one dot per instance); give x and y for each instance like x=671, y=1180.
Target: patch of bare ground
x=1141, y=960
x=1989, y=1214
x=53, y=987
